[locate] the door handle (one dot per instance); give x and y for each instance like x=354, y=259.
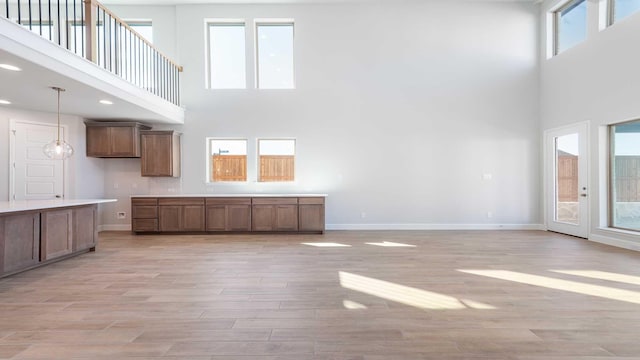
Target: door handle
x=583, y=195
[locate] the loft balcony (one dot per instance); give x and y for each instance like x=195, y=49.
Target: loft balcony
x=82, y=46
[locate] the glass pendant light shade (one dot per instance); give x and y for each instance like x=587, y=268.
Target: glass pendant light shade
x=58, y=149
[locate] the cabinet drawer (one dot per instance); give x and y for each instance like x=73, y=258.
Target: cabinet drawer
x=311, y=201
x=181, y=201
x=144, y=212
x=275, y=201
x=229, y=201
x=144, y=201
x=144, y=225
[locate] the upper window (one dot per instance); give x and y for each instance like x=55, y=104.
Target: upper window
x=143, y=27
x=625, y=176
x=227, y=66
x=274, y=54
x=570, y=25
x=622, y=8
x=276, y=159
x=228, y=160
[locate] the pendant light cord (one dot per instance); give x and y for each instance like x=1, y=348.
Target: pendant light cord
x=58, y=89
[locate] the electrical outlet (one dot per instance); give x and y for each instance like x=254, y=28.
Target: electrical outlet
x=489, y=214
x=363, y=215
x=121, y=215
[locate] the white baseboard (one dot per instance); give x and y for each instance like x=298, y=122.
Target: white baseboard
x=625, y=244
x=114, y=227
x=435, y=227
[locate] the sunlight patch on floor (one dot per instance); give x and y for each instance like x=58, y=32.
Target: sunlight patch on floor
x=602, y=275
x=352, y=305
x=559, y=284
x=419, y=298
x=390, y=244
x=326, y=244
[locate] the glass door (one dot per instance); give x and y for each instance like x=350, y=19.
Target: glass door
x=566, y=160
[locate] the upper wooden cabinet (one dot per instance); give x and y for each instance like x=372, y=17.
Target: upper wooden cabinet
x=114, y=139
x=160, y=153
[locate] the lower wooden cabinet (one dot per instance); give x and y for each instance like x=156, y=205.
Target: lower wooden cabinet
x=181, y=214
x=19, y=241
x=85, y=227
x=274, y=214
x=37, y=237
x=228, y=214
x=57, y=234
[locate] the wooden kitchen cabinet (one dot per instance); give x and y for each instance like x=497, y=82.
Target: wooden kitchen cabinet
x=19, y=241
x=181, y=214
x=56, y=228
x=274, y=214
x=160, y=153
x=228, y=214
x=144, y=214
x=85, y=228
x=108, y=139
x=311, y=214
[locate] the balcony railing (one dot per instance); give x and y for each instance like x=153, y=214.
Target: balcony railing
x=90, y=30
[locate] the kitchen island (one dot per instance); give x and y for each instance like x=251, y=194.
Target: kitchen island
x=38, y=232
x=225, y=213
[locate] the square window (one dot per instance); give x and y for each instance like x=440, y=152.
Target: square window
x=227, y=160
x=570, y=25
x=274, y=54
x=276, y=160
x=226, y=55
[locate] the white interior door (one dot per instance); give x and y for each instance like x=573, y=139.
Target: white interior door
x=566, y=178
x=34, y=175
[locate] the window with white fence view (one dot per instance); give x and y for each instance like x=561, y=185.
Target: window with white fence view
x=274, y=54
x=227, y=160
x=625, y=176
x=276, y=159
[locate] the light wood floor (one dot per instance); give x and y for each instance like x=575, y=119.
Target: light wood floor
x=271, y=297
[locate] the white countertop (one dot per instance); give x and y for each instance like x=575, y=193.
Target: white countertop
x=29, y=205
x=231, y=195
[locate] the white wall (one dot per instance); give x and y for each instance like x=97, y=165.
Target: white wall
x=596, y=81
x=84, y=176
x=399, y=111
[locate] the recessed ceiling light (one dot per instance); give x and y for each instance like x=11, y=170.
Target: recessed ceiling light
x=10, y=67
x=106, y=102
x=5, y=102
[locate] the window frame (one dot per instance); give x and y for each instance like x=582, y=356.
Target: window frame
x=556, y=15
x=208, y=23
x=610, y=177
x=209, y=170
x=611, y=12
x=295, y=160
x=273, y=22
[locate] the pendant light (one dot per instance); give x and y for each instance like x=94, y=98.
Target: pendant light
x=58, y=149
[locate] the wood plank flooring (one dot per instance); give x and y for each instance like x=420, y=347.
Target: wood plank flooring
x=272, y=297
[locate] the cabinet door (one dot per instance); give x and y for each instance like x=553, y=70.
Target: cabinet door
x=193, y=218
x=123, y=141
x=311, y=217
x=238, y=218
x=286, y=218
x=19, y=241
x=216, y=217
x=98, y=141
x=170, y=218
x=144, y=225
x=85, y=233
x=57, y=233
x=262, y=217
x=156, y=157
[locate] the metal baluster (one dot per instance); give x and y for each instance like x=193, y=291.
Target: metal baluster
x=66, y=21
x=19, y=14
x=50, y=27
x=39, y=16
x=59, y=26
x=30, y=27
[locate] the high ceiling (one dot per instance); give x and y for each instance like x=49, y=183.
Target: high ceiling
x=186, y=2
